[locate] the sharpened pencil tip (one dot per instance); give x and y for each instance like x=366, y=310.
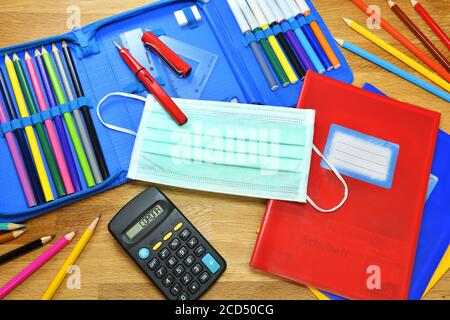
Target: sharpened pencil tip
x=37, y=53
x=54, y=48
x=18, y=233
x=391, y=3
x=339, y=41
x=347, y=21
x=27, y=55
x=16, y=57
x=414, y=3
x=7, y=58
x=44, y=50
x=71, y=235
x=64, y=44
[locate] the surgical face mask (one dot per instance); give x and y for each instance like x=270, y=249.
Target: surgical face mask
x=247, y=150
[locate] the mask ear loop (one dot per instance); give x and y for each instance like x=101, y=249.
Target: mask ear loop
x=111, y=126
x=338, y=175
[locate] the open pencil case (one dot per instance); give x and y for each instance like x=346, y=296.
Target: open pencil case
x=224, y=69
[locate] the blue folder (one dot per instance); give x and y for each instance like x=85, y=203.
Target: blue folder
x=434, y=237
x=235, y=76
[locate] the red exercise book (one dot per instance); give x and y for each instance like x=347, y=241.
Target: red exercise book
x=365, y=250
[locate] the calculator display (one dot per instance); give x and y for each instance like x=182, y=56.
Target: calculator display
x=146, y=219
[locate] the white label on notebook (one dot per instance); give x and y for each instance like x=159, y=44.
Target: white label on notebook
x=361, y=156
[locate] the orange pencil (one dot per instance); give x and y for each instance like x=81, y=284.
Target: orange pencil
x=403, y=40
x=11, y=235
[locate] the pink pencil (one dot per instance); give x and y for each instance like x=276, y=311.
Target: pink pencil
x=36, y=264
x=18, y=162
x=49, y=125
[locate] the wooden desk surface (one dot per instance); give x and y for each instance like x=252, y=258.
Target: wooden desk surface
x=228, y=222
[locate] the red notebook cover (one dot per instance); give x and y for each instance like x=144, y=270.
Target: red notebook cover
x=366, y=249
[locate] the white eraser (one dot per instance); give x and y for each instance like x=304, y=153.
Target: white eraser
x=181, y=17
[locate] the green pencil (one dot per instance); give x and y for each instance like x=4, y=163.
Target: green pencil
x=45, y=144
x=68, y=119
x=276, y=65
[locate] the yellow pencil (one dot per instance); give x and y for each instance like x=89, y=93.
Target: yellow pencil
x=79, y=247
x=442, y=268
x=398, y=54
x=36, y=153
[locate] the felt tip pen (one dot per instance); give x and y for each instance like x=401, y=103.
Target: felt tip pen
x=150, y=83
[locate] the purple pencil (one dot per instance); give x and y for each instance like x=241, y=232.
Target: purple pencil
x=18, y=162
x=58, y=123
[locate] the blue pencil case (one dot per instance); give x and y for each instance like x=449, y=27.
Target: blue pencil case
x=224, y=69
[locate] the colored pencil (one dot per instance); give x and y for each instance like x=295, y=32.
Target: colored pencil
x=430, y=21
x=89, y=150
x=10, y=226
x=287, y=6
x=84, y=135
x=419, y=34
x=76, y=252
x=67, y=151
x=396, y=53
x=21, y=141
x=257, y=52
x=68, y=119
x=36, y=264
x=306, y=11
x=32, y=109
x=11, y=235
x=396, y=70
x=403, y=40
x=285, y=44
x=257, y=12
x=85, y=112
x=49, y=125
x=265, y=45
x=440, y=271
x=32, y=141
x=18, y=163
x=24, y=249
x=291, y=36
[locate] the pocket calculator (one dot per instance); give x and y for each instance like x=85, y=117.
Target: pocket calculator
x=166, y=246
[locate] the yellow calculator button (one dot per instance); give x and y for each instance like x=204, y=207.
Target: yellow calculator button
x=168, y=236
x=156, y=246
x=178, y=226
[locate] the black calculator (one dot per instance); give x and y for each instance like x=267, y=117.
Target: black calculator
x=166, y=246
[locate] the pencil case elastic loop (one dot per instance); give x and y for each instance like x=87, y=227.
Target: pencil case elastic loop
x=26, y=122
x=65, y=108
x=134, y=87
x=310, y=18
x=268, y=32
x=5, y=128
x=46, y=115
x=301, y=20
x=158, y=32
x=36, y=118
x=249, y=37
x=86, y=46
x=190, y=17
x=260, y=35
x=55, y=112
x=276, y=29
x=294, y=23
x=16, y=124
x=286, y=26
x=80, y=102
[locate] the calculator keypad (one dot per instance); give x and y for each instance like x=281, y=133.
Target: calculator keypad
x=183, y=264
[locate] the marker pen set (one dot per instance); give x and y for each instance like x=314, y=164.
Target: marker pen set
x=52, y=140
x=290, y=40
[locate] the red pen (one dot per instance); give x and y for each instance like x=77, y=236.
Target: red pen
x=150, y=83
x=174, y=61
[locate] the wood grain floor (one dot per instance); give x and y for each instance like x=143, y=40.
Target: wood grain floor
x=228, y=222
